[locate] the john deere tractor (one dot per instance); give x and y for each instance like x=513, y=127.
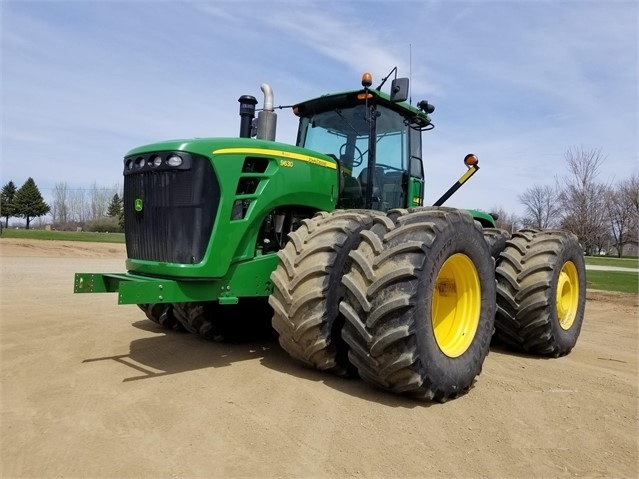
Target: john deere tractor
x=331, y=238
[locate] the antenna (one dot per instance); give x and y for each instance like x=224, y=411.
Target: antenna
x=410, y=74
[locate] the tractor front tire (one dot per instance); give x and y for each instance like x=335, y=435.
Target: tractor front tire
x=307, y=288
x=420, y=303
x=541, y=292
x=162, y=314
x=199, y=318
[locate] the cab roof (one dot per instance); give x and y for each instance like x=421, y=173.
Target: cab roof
x=353, y=98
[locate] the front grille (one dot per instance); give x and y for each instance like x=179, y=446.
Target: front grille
x=169, y=213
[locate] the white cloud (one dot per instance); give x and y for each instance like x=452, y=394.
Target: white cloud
x=515, y=82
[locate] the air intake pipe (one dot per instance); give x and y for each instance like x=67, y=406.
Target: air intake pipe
x=247, y=114
x=267, y=118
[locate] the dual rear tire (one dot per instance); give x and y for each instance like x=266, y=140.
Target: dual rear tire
x=308, y=289
x=405, y=299
x=541, y=292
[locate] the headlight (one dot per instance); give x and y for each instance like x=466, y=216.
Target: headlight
x=139, y=162
x=174, y=160
x=129, y=164
x=157, y=161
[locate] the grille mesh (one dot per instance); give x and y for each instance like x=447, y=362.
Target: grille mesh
x=177, y=215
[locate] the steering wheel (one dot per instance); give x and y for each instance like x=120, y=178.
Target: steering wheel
x=357, y=159
x=388, y=166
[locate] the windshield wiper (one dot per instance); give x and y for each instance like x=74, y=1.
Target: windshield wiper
x=346, y=121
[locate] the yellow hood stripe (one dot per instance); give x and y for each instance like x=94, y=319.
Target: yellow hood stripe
x=279, y=153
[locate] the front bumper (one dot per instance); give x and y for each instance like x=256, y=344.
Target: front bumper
x=245, y=279
x=134, y=289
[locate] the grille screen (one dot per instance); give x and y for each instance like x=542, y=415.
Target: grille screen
x=169, y=214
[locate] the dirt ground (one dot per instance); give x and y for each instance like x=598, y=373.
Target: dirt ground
x=91, y=389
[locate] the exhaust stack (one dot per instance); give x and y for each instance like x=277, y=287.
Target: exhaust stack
x=267, y=118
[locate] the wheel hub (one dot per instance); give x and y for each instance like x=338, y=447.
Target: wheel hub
x=456, y=305
x=567, y=299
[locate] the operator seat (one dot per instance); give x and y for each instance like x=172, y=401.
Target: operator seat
x=378, y=184
x=394, y=189
x=351, y=193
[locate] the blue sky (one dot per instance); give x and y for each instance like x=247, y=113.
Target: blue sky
x=516, y=82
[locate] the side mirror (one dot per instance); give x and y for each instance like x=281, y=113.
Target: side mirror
x=399, y=90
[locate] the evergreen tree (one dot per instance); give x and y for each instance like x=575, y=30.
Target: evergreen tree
x=29, y=202
x=121, y=219
x=7, y=202
x=115, y=207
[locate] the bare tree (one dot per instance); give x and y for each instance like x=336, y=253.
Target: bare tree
x=631, y=198
x=623, y=211
x=582, y=199
x=506, y=221
x=60, y=210
x=619, y=216
x=542, y=207
x=99, y=200
x=78, y=206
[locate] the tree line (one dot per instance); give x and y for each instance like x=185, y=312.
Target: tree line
x=94, y=209
x=98, y=207
x=604, y=216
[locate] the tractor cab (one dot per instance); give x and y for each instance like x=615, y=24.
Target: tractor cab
x=376, y=140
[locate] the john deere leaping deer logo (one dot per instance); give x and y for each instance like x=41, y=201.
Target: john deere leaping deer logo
x=138, y=205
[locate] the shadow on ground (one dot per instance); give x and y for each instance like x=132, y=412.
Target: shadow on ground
x=171, y=352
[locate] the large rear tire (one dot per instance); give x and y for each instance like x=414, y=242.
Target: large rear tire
x=420, y=303
x=496, y=239
x=541, y=292
x=307, y=288
x=162, y=314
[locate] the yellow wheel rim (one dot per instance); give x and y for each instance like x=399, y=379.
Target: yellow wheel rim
x=456, y=305
x=567, y=299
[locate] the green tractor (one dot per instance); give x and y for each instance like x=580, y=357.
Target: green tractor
x=331, y=238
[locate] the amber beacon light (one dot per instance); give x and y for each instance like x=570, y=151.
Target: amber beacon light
x=471, y=160
x=367, y=80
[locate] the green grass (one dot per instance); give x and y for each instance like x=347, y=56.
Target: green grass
x=63, y=235
x=612, y=261
x=621, y=281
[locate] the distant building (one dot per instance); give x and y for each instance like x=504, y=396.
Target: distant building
x=631, y=248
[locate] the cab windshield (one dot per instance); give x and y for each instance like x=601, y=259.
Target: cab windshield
x=344, y=134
